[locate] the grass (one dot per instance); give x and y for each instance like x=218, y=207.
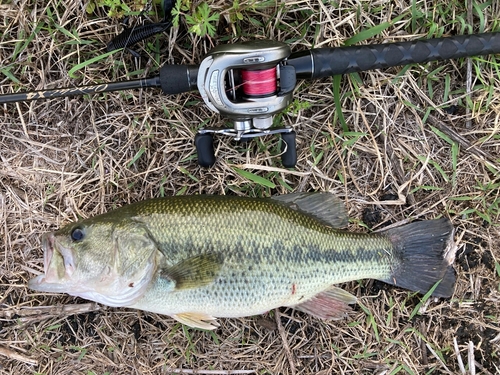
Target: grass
x=361, y=136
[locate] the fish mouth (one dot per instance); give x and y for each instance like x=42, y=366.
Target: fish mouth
x=48, y=241
x=57, y=265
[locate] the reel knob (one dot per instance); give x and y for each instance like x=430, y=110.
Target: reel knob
x=289, y=149
x=204, y=143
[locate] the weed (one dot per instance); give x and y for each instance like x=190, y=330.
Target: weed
x=53, y=327
x=298, y=106
x=365, y=355
x=402, y=367
x=454, y=156
x=370, y=319
x=116, y=8
x=200, y=21
x=186, y=172
x=136, y=157
x=423, y=300
x=190, y=349
x=82, y=351
x=437, y=167
x=85, y=63
x=255, y=178
x=486, y=199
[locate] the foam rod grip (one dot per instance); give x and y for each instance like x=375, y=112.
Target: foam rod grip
x=332, y=61
x=176, y=79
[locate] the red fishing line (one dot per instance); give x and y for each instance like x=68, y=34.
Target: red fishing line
x=259, y=82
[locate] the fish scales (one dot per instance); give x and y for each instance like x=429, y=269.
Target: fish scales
x=267, y=248
x=200, y=257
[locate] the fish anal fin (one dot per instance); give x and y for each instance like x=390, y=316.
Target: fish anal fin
x=197, y=320
x=331, y=304
x=194, y=272
x=322, y=206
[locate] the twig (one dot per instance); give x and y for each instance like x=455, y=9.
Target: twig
x=483, y=370
x=271, y=169
x=438, y=358
x=464, y=143
x=30, y=314
x=496, y=338
x=459, y=356
x=282, y=332
x=423, y=331
x=18, y=357
x=211, y=372
x=396, y=168
x=472, y=364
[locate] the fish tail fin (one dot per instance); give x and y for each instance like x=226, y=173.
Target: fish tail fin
x=426, y=252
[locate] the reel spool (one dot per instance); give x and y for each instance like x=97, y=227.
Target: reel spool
x=259, y=83
x=248, y=83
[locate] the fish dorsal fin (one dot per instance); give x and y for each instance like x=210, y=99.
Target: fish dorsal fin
x=331, y=304
x=197, y=320
x=324, y=207
x=194, y=272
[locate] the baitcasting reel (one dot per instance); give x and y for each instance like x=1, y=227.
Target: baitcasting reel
x=247, y=83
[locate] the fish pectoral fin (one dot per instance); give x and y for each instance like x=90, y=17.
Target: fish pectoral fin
x=331, y=304
x=197, y=320
x=324, y=207
x=195, y=271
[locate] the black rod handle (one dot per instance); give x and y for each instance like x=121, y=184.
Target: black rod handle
x=324, y=62
x=176, y=79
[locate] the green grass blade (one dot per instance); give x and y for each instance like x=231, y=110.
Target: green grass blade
x=67, y=33
x=136, y=157
x=20, y=48
x=9, y=75
x=455, y=149
x=442, y=135
x=254, y=178
x=372, y=31
x=436, y=166
x=187, y=173
x=82, y=65
x=338, y=106
x=424, y=299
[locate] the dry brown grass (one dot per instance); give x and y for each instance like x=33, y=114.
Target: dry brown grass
x=65, y=159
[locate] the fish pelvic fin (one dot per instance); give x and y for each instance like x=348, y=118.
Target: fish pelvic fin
x=331, y=304
x=195, y=271
x=197, y=320
x=426, y=252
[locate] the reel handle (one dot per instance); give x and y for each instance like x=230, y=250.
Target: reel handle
x=204, y=144
x=289, y=149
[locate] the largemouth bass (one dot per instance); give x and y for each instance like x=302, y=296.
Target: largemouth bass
x=197, y=258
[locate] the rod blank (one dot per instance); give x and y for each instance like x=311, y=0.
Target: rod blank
x=75, y=91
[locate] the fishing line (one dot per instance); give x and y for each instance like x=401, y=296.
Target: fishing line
x=259, y=82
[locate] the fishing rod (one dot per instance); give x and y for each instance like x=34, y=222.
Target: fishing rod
x=252, y=81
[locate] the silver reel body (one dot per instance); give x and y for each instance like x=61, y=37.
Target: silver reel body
x=247, y=83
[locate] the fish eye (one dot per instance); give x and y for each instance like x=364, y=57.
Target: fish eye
x=77, y=234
